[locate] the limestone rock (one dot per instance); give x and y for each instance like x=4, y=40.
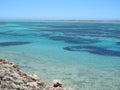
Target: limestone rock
x=57, y=83
x=12, y=78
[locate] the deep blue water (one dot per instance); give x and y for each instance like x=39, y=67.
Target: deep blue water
x=76, y=49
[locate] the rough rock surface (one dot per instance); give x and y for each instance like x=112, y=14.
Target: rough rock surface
x=12, y=78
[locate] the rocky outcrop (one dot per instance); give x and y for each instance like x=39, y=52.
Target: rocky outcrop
x=12, y=78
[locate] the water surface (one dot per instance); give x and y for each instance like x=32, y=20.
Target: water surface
x=85, y=56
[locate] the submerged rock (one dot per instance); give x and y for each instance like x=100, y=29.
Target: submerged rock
x=12, y=78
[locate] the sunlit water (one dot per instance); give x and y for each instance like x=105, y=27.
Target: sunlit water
x=84, y=56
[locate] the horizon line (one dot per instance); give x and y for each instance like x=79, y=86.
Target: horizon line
x=73, y=20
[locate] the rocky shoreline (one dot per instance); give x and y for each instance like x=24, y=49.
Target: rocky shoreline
x=12, y=78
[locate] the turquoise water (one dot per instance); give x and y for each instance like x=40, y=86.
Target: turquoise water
x=84, y=56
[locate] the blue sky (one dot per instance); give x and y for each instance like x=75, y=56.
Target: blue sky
x=60, y=9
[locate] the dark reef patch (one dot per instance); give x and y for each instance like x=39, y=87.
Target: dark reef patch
x=62, y=38
x=3, y=23
x=5, y=32
x=16, y=34
x=118, y=43
x=82, y=41
x=73, y=40
x=94, y=50
x=93, y=32
x=2, y=33
x=45, y=35
x=12, y=34
x=64, y=26
x=13, y=43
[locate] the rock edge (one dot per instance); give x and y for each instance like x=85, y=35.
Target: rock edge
x=12, y=78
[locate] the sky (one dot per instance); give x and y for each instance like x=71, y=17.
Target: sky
x=59, y=9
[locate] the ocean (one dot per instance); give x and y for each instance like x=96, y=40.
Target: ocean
x=83, y=55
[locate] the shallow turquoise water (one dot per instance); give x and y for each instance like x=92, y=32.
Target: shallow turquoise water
x=85, y=56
